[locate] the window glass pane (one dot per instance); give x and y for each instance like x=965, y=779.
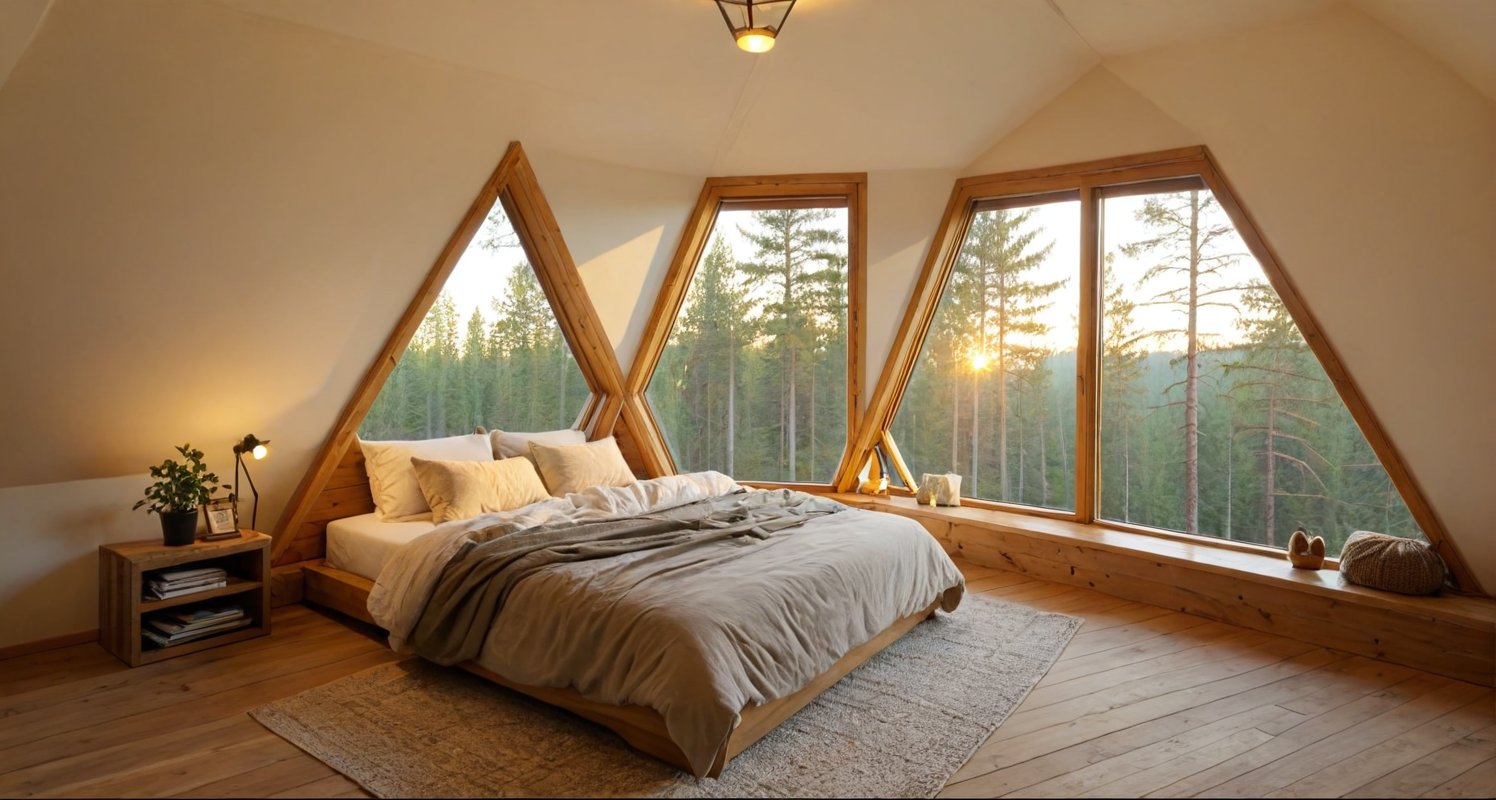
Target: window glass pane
x=753, y=379
x=1216, y=417
x=489, y=352
x=992, y=395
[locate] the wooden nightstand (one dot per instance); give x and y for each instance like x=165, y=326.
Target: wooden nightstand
x=123, y=604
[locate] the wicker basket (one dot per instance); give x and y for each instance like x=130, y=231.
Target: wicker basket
x=1390, y=563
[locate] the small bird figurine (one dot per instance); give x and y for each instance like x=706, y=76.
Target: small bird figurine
x=1304, y=552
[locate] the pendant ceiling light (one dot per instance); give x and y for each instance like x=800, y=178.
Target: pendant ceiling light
x=755, y=23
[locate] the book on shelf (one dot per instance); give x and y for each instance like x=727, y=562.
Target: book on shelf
x=184, y=625
x=214, y=537
x=177, y=582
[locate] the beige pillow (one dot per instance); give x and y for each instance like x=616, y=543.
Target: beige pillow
x=508, y=445
x=572, y=468
x=465, y=489
x=392, y=480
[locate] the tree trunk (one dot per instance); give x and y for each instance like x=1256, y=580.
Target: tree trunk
x=792, y=325
x=956, y=417
x=1043, y=459
x=976, y=410
x=1127, y=470
x=732, y=408
x=811, y=406
x=792, y=411
x=1192, y=379
x=1270, y=503
x=1022, y=451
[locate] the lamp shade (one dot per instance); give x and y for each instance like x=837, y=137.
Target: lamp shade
x=755, y=24
x=253, y=445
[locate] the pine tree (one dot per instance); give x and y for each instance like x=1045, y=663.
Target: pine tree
x=1121, y=373
x=1281, y=386
x=795, y=258
x=1193, y=273
x=997, y=306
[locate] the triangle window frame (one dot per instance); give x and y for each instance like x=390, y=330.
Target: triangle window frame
x=299, y=534
x=873, y=446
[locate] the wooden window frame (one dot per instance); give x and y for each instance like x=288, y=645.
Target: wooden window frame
x=1093, y=180
x=848, y=190
x=514, y=183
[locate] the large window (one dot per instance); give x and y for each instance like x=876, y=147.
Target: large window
x=992, y=395
x=1100, y=343
x=752, y=380
x=489, y=352
x=1216, y=417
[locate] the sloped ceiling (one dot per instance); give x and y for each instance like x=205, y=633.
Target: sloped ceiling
x=896, y=84
x=1461, y=33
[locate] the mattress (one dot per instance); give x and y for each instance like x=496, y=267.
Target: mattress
x=365, y=543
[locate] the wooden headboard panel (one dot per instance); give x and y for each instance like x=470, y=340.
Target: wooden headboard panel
x=345, y=495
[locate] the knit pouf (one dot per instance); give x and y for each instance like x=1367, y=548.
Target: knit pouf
x=1392, y=564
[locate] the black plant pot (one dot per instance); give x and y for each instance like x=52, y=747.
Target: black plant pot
x=178, y=527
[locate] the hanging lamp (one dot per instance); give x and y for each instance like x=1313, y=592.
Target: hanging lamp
x=755, y=23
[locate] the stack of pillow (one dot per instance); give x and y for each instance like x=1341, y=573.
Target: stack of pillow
x=460, y=477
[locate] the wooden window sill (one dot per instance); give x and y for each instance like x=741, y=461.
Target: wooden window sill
x=1262, y=569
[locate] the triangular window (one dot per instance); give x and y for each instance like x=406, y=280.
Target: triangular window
x=1216, y=417
x=489, y=352
x=1112, y=342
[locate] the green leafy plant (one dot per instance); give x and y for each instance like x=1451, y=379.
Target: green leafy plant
x=180, y=487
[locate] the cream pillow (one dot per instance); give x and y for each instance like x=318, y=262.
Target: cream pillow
x=465, y=489
x=572, y=468
x=509, y=445
x=392, y=480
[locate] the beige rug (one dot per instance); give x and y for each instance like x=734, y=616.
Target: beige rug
x=898, y=726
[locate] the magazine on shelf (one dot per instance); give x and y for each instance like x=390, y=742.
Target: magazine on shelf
x=176, y=582
x=159, y=594
x=187, y=636
x=183, y=621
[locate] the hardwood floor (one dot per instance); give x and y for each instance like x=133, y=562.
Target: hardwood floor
x=1144, y=701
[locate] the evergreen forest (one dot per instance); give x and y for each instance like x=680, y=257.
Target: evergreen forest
x=1233, y=431
x=507, y=369
x=1236, y=434
x=753, y=378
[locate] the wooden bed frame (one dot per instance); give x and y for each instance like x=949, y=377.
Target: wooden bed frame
x=643, y=728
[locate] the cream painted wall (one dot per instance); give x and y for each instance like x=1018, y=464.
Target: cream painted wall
x=196, y=247
x=1099, y=116
x=49, y=577
x=904, y=207
x=1371, y=169
x=622, y=226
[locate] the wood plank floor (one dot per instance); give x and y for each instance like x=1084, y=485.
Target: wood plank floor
x=1143, y=702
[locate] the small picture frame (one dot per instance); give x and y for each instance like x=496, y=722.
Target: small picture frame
x=222, y=515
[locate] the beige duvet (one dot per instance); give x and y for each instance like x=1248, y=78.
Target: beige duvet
x=696, y=634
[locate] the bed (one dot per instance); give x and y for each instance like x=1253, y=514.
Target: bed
x=864, y=578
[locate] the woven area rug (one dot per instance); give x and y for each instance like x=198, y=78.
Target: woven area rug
x=898, y=726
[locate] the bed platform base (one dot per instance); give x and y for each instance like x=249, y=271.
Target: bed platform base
x=643, y=728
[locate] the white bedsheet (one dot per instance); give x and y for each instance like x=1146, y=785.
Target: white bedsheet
x=365, y=543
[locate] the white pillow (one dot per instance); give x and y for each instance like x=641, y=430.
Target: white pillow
x=465, y=489
x=392, y=479
x=574, y=467
x=509, y=445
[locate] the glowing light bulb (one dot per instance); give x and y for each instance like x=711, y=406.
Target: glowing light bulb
x=756, y=40
x=259, y=451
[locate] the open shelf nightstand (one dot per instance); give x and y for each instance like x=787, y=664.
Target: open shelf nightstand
x=124, y=604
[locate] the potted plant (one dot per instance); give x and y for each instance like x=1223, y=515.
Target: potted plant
x=177, y=492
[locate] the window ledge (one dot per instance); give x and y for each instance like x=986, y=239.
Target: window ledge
x=1459, y=609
